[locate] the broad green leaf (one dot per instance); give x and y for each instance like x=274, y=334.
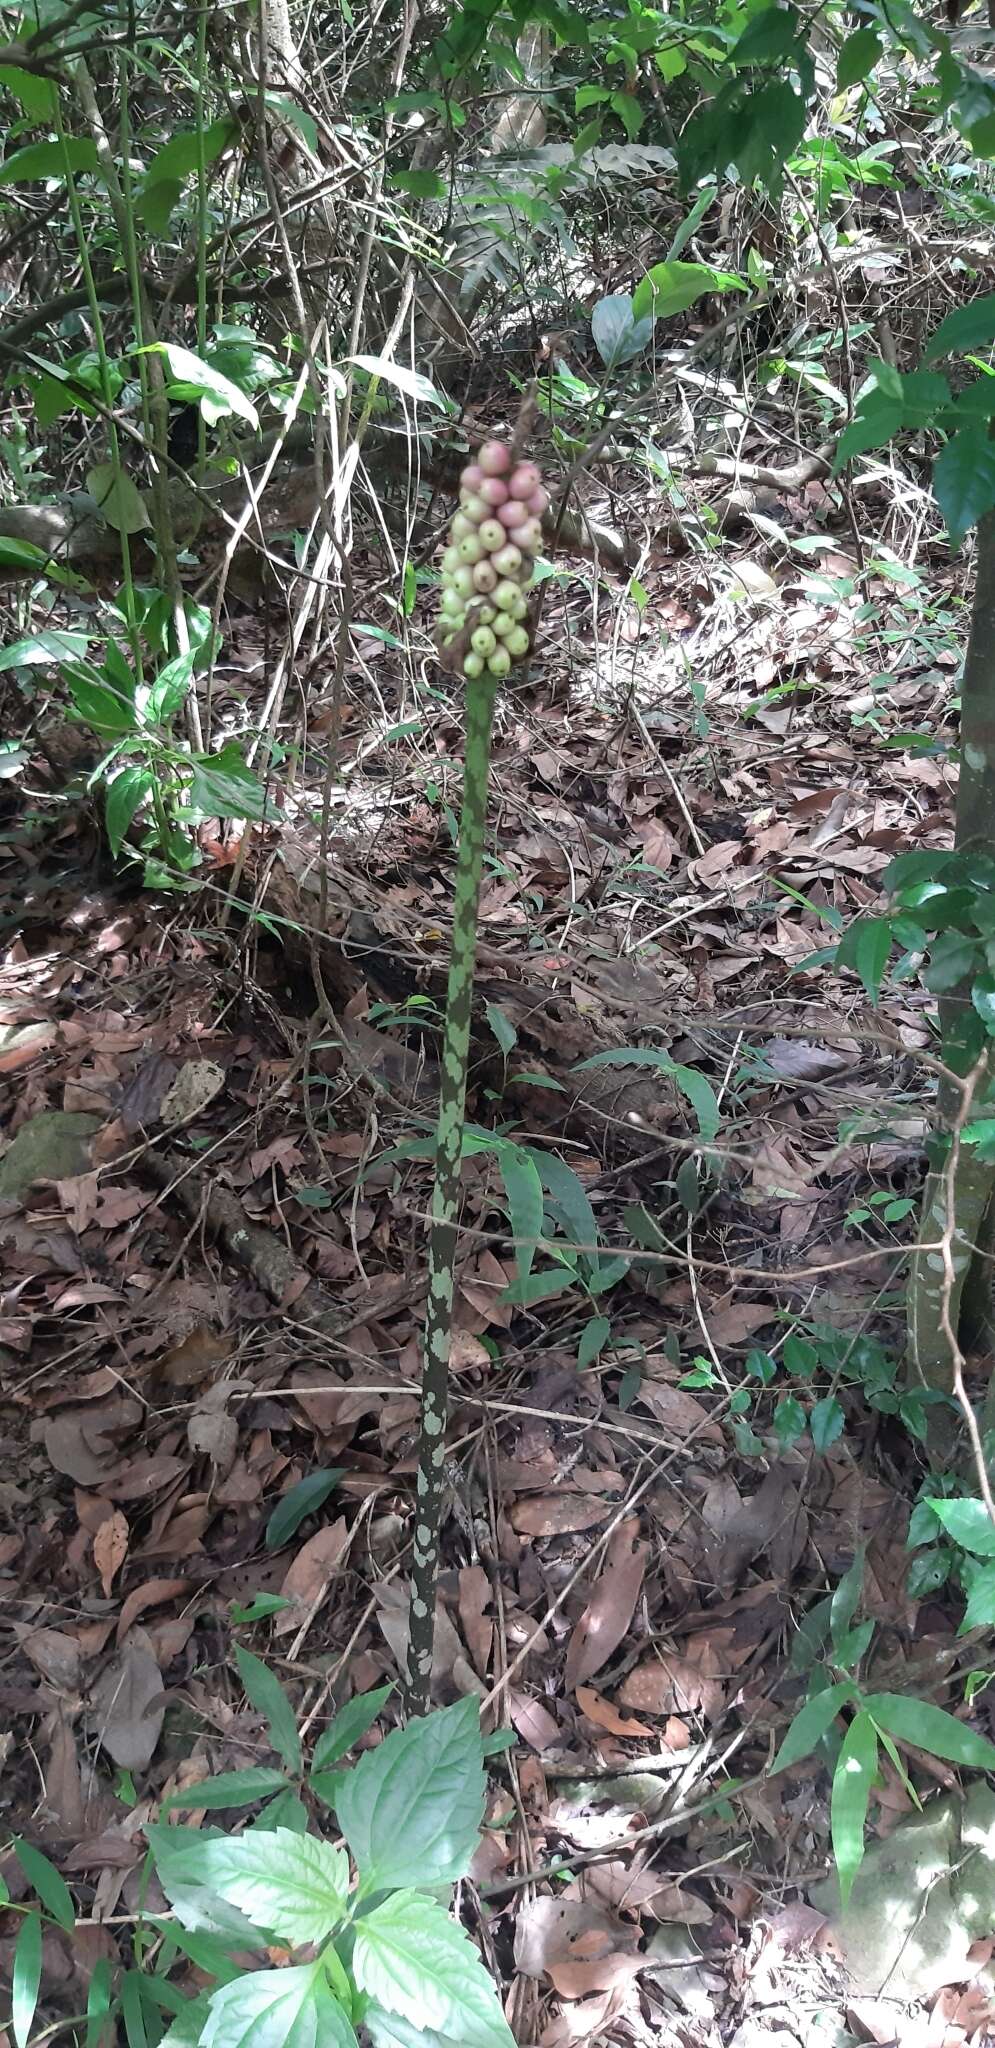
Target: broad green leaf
x=843, y=1605
x=857, y=58
x=295, y=117
x=287, y=1810
x=294, y=1886
x=629, y=111
x=967, y=327
x=229, y=1789
x=197, y=380
x=865, y=947
x=178, y=158
x=768, y=38
x=326, y=1785
x=108, y=710
x=967, y=1522
x=502, y=1027
x=616, y=335
x=118, y=498
x=166, y=694
x=303, y=1499
x=855, y=1772
x=826, y=1422
x=176, y=1853
x=123, y=797
x=671, y=288
x=25, y=1977
x=930, y=1569
x=811, y=1723
x=20, y=554
x=42, y=649
x=964, y=481
x=37, y=95
x=225, y=784
x=414, y=1960
x=529, y=1288
x=51, y=1888
x=186, y=2030
x=157, y=203
x=420, y=184
x=983, y=999
x=266, y=1694
x=593, y=1338
x=292, y=2008
x=523, y=1189
x=389, y=2030
x=349, y=1726
x=698, y=1090
x=410, y=382
x=411, y=1809
x=932, y=1729
x=49, y=160
x=877, y=419
x=980, y=1609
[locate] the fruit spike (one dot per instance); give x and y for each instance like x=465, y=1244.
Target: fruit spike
x=488, y=563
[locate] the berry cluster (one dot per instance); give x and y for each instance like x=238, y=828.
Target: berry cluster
x=488, y=564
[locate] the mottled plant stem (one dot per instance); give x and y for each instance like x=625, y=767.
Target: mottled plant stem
x=445, y=1197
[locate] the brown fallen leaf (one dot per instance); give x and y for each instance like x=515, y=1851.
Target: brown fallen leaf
x=110, y=1548
x=56, y=1655
x=533, y=1722
x=153, y=1594
x=667, y=1684
x=475, y=1593
x=605, y=1620
x=558, y=1514
x=140, y=1478
x=198, y=1356
x=128, y=1704
x=550, y=1932
x=679, y=1412
x=604, y=1715
x=311, y=1574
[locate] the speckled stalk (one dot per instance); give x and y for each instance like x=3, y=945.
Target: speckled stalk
x=445, y=1197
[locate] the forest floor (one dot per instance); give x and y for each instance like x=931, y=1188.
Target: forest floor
x=675, y=1440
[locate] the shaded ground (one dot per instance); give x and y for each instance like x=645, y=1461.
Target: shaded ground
x=659, y=1461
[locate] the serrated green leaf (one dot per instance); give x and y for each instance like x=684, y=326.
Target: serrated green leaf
x=411, y=1809
x=50, y=1886
x=303, y=1499
x=811, y=1723
x=966, y=1522
x=414, y=1960
x=266, y=1694
x=932, y=1729
x=292, y=2008
x=349, y=1726
x=186, y=2030
x=176, y=1853
x=229, y=1789
x=25, y=1978
x=826, y=1422
x=295, y=1886
x=389, y=2030
x=855, y=1772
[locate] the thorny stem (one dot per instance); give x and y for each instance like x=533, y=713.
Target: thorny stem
x=445, y=1198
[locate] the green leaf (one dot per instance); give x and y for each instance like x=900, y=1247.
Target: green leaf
x=865, y=947
x=51, y=1888
x=167, y=692
x=671, y=288
x=698, y=1090
x=43, y=649
x=532, y=1287
x=49, y=160
x=967, y=327
x=124, y=796
x=187, y=2028
x=826, y=1422
x=420, y=184
x=858, y=56
x=37, y=95
x=932, y=1729
x=287, y=1810
x=178, y=159
x=855, y=1772
x=21, y=554
x=877, y=419
x=411, y=1809
x=228, y=1789
x=268, y=1697
x=414, y=1960
x=176, y=1853
x=349, y=1726
x=980, y=1609
x=119, y=499
x=302, y=1500
x=964, y=481
x=502, y=1027
x=569, y=1200
x=616, y=335
x=983, y=999
x=930, y=1569
x=295, y=117
x=966, y=1522
x=98, y=2003
x=292, y=2008
x=629, y=111
x=811, y=1723
x=410, y=382
x=110, y=713
x=768, y=38
x=389, y=2030
x=523, y=1189
x=156, y=205
x=593, y=1338
x=198, y=381
x=294, y=1886
x=326, y=1785
x=844, y=1600
x=25, y=1978
x=224, y=784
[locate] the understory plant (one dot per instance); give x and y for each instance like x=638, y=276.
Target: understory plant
x=302, y=1940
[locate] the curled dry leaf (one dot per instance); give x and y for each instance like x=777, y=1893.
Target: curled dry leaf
x=53, y=1653
x=311, y=1574
x=670, y=1684
x=198, y=1356
x=605, y=1620
x=558, y=1514
x=153, y=1594
x=196, y=1084
x=605, y=1716
x=128, y=1704
x=110, y=1548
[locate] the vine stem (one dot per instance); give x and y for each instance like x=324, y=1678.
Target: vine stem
x=445, y=1196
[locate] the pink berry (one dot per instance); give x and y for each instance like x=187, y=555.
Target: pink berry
x=472, y=477
x=524, y=480
x=494, y=491
x=509, y=561
x=538, y=504
x=472, y=507
x=495, y=460
x=484, y=578
x=528, y=537
x=492, y=535
x=510, y=513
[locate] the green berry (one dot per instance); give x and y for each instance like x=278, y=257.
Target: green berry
x=473, y=666
x=483, y=642
x=499, y=662
x=517, y=643
x=462, y=581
